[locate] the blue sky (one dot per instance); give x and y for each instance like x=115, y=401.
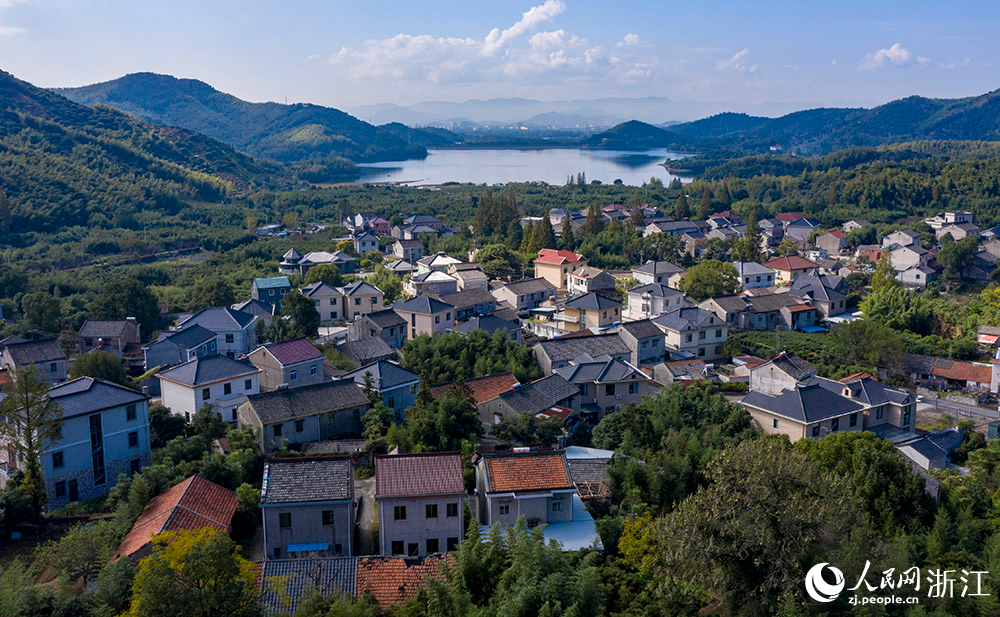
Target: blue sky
x=351, y=53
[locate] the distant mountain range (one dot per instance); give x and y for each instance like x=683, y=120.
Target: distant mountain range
x=279, y=132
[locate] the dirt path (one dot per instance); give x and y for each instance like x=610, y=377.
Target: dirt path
x=364, y=491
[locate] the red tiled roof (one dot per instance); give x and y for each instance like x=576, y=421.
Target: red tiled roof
x=725, y=214
x=790, y=216
x=552, y=256
x=962, y=371
x=193, y=503
x=483, y=388
x=858, y=377
x=789, y=263
x=530, y=471
x=407, y=475
x=293, y=351
x=393, y=580
x=563, y=413
x=795, y=308
x=836, y=233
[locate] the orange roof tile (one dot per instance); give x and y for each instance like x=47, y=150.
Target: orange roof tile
x=528, y=471
x=392, y=580
x=552, y=256
x=483, y=388
x=858, y=377
x=962, y=371
x=789, y=263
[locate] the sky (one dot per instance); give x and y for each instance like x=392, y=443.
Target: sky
x=345, y=54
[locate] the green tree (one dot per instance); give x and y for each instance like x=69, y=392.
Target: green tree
x=709, y=279
x=114, y=586
x=748, y=248
x=869, y=343
x=566, y=239
x=163, y=425
x=526, y=430
x=546, y=235
x=885, y=274
x=324, y=273
x=498, y=261
x=954, y=257
x=898, y=309
x=32, y=421
x=42, y=311
x=101, y=365
x=388, y=283
x=212, y=291
x=302, y=313
x=681, y=209
x=83, y=550
x=6, y=218
x=127, y=297
x=595, y=222
x=705, y=205
x=207, y=424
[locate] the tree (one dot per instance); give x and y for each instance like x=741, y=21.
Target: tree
x=885, y=274
x=748, y=248
x=498, y=261
x=163, y=426
x=388, y=283
x=101, y=365
x=595, y=222
x=870, y=343
x=705, y=205
x=302, y=313
x=637, y=219
x=212, y=291
x=954, y=257
x=566, y=239
x=6, y=218
x=546, y=235
x=709, y=279
x=681, y=210
x=84, y=550
x=127, y=297
x=788, y=247
x=898, y=309
x=42, y=311
x=195, y=573
x=324, y=273
x=526, y=430
x=207, y=424
x=32, y=422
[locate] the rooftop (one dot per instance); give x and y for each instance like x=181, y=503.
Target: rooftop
x=789, y=263
x=424, y=305
x=360, y=288
x=85, y=395
x=218, y=319
x=385, y=318
x=468, y=297
x=284, y=582
x=565, y=349
x=659, y=267
x=271, y=282
x=99, y=327
x=539, y=394
x=525, y=472
x=644, y=328
x=592, y=301
x=530, y=286
x=394, y=580
x=366, y=350
x=483, y=388
x=33, y=352
x=208, y=369
x=307, y=479
x=320, y=289
x=385, y=375
x=414, y=475
x=293, y=351
x=282, y=405
x=487, y=323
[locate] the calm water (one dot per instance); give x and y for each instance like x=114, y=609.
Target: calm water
x=495, y=166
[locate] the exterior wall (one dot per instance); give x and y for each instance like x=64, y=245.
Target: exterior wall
x=768, y=379
x=330, y=308
x=692, y=341
x=536, y=508
x=307, y=527
x=765, y=421
x=401, y=398
x=622, y=395
x=758, y=280
x=466, y=313
x=186, y=401
x=272, y=295
x=310, y=432
x=165, y=353
x=639, y=309
x=420, y=323
x=273, y=374
x=53, y=371
x=521, y=301
x=77, y=456
x=411, y=255
x=417, y=528
x=556, y=273
x=651, y=349
x=356, y=306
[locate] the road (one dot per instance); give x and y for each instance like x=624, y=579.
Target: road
x=958, y=409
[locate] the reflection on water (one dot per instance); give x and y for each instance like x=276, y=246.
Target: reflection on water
x=496, y=166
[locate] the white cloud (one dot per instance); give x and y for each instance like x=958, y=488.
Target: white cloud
x=897, y=55
x=629, y=40
x=10, y=30
x=532, y=18
x=954, y=65
x=736, y=63
x=6, y=4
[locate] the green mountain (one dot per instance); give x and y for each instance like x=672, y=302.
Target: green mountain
x=270, y=130
x=631, y=135
x=64, y=164
x=426, y=136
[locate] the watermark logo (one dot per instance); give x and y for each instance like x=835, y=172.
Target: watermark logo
x=817, y=587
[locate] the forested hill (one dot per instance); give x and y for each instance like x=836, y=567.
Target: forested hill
x=824, y=130
x=64, y=164
x=271, y=130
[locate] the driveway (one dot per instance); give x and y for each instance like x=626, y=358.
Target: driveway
x=364, y=492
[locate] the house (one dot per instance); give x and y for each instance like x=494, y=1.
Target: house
x=726, y=218
x=524, y=295
x=554, y=266
x=408, y=250
x=556, y=353
x=958, y=231
x=401, y=267
x=420, y=500
x=320, y=412
x=367, y=350
x=726, y=308
x=104, y=433
x=265, y=312
x=482, y=388
x=681, y=371
x=537, y=486
x=800, y=317
x=668, y=227
x=424, y=219
x=765, y=312
x=177, y=347
x=833, y=242
x=394, y=580
x=285, y=582
x=941, y=219
x=386, y=325
x=361, y=298
x=693, y=332
x=591, y=310
x=294, y=263
x=534, y=397
x=397, y=385
x=661, y=272
x=587, y=279
x=218, y=381
x=606, y=385
x=789, y=267
x=491, y=324
x=365, y=242
x=853, y=224
x=47, y=358
x=113, y=336
x=432, y=282
x=439, y=262
x=329, y=302
x=827, y=293
x=650, y=300
x=645, y=341
x=270, y=290
x=307, y=507
x=950, y=375
x=933, y=450
x=906, y=257
x=236, y=331
x=192, y=504
x=916, y=277
x=425, y=315
x=470, y=278
x=901, y=237
x=291, y=364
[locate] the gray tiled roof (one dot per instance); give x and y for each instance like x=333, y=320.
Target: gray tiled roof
x=808, y=404
x=208, y=369
x=529, y=286
x=320, y=288
x=31, y=352
x=656, y=290
x=751, y=268
x=218, y=319
x=86, y=395
x=686, y=318
x=189, y=338
x=468, y=297
x=728, y=303
x=103, y=327
x=386, y=318
x=487, y=323
x=360, y=288
x=282, y=405
x=539, y=395
x=293, y=578
x=423, y=305
x=793, y=365
x=592, y=302
x=307, y=479
x=659, y=267
x=254, y=306
x=602, y=370
x=385, y=375
x=365, y=350
x=565, y=349
x=771, y=302
x=644, y=328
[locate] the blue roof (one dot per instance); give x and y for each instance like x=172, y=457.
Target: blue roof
x=86, y=395
x=209, y=369
x=813, y=329
x=272, y=282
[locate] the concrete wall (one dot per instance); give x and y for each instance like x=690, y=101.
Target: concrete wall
x=536, y=509
x=355, y=306
x=186, y=401
x=307, y=527
x=417, y=528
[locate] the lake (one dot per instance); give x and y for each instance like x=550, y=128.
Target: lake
x=500, y=166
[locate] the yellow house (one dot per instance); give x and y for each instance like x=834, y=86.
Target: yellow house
x=591, y=310
x=553, y=265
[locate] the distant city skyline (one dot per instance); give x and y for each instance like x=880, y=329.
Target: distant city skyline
x=347, y=55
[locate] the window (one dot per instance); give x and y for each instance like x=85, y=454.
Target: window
x=878, y=413
x=815, y=430
x=609, y=389
x=437, y=319
x=248, y=384
x=451, y=510
x=332, y=302
x=133, y=439
x=557, y=506
x=452, y=544
x=906, y=418
x=701, y=351
x=277, y=552
x=835, y=425
x=285, y=520
x=206, y=393
x=391, y=402
x=357, y=302
x=775, y=423
x=412, y=549
x=718, y=333
x=317, y=303
x=656, y=343
x=583, y=389
x=61, y=488
x=312, y=369
x=227, y=388
x=854, y=419
x=299, y=425
x=504, y=509
x=230, y=338
x=431, y=510
x=687, y=339
x=277, y=430
x=701, y=335
x=57, y=460
x=134, y=466
x=399, y=513
x=338, y=548
x=327, y=518
x=432, y=545
x=233, y=417
x=293, y=375
x=397, y=547
x=130, y=412
x=97, y=449
x=633, y=388
x=52, y=367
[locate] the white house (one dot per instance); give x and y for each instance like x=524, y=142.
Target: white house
x=218, y=381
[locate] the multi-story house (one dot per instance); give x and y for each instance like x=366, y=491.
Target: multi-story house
x=827, y=293
x=292, y=364
x=270, y=289
x=606, y=385
x=47, y=358
x=329, y=302
x=659, y=272
x=218, y=381
x=295, y=263
x=327, y=410
x=833, y=242
x=470, y=303
x=693, y=332
x=439, y=262
x=307, y=507
x=901, y=237
x=948, y=218
x=469, y=276
x=411, y=251
x=108, y=335
x=361, y=298
x=105, y=432
x=397, y=385
x=491, y=324
x=420, y=499
x=752, y=274
x=524, y=295
x=559, y=352
x=432, y=282
x=650, y=300
x=554, y=266
x=788, y=268
x=236, y=330
x=177, y=347
x=262, y=310
x=591, y=310
x=645, y=340
x=386, y=325
x=726, y=308
x=365, y=242
x=535, y=397
x=587, y=279
x=425, y=315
